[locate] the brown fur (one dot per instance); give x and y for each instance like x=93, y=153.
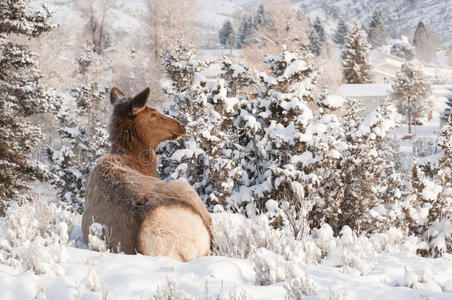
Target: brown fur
x=123, y=193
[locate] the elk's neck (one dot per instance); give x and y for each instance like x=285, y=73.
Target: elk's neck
x=141, y=158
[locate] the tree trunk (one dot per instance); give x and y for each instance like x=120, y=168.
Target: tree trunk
x=409, y=122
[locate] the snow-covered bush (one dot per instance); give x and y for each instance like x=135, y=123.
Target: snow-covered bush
x=234, y=235
x=236, y=294
x=423, y=280
x=300, y=286
x=172, y=292
x=33, y=236
x=98, y=237
x=289, y=147
x=270, y=267
x=357, y=254
x=92, y=282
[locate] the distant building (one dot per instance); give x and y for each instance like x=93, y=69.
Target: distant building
x=385, y=68
x=369, y=95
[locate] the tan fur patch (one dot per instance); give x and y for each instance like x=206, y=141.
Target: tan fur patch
x=174, y=231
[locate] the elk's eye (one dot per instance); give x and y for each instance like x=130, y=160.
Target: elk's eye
x=153, y=115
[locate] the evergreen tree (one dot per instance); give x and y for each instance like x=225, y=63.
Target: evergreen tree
x=327, y=145
x=206, y=156
x=448, y=110
x=235, y=75
x=84, y=140
x=341, y=32
x=182, y=76
x=430, y=214
x=403, y=49
x=370, y=186
x=21, y=96
x=419, y=33
x=424, y=42
x=261, y=19
x=355, y=56
x=377, y=31
x=316, y=37
x=246, y=33
x=410, y=91
x=227, y=35
x=441, y=210
x=283, y=116
x=292, y=149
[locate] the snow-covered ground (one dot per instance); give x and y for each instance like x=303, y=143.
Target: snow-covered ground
x=320, y=266
x=93, y=275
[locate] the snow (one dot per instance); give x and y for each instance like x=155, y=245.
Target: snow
x=374, y=119
x=86, y=274
x=431, y=190
x=397, y=14
x=333, y=101
x=294, y=68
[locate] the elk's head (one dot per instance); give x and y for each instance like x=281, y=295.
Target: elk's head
x=135, y=123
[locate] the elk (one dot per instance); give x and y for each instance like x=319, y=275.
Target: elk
x=144, y=214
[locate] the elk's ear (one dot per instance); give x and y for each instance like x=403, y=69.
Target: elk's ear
x=115, y=95
x=139, y=101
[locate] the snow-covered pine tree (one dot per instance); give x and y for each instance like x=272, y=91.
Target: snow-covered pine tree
x=225, y=158
x=282, y=180
x=281, y=108
x=355, y=56
x=413, y=203
x=341, y=32
x=236, y=76
x=261, y=19
x=205, y=157
x=377, y=31
x=441, y=210
x=181, y=75
x=181, y=67
x=21, y=96
x=246, y=34
x=369, y=185
x=402, y=49
x=316, y=36
x=430, y=211
x=84, y=140
x=326, y=147
x=448, y=111
x=227, y=35
x=410, y=91
x=424, y=42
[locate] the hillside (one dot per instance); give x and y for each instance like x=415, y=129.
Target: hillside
x=400, y=16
